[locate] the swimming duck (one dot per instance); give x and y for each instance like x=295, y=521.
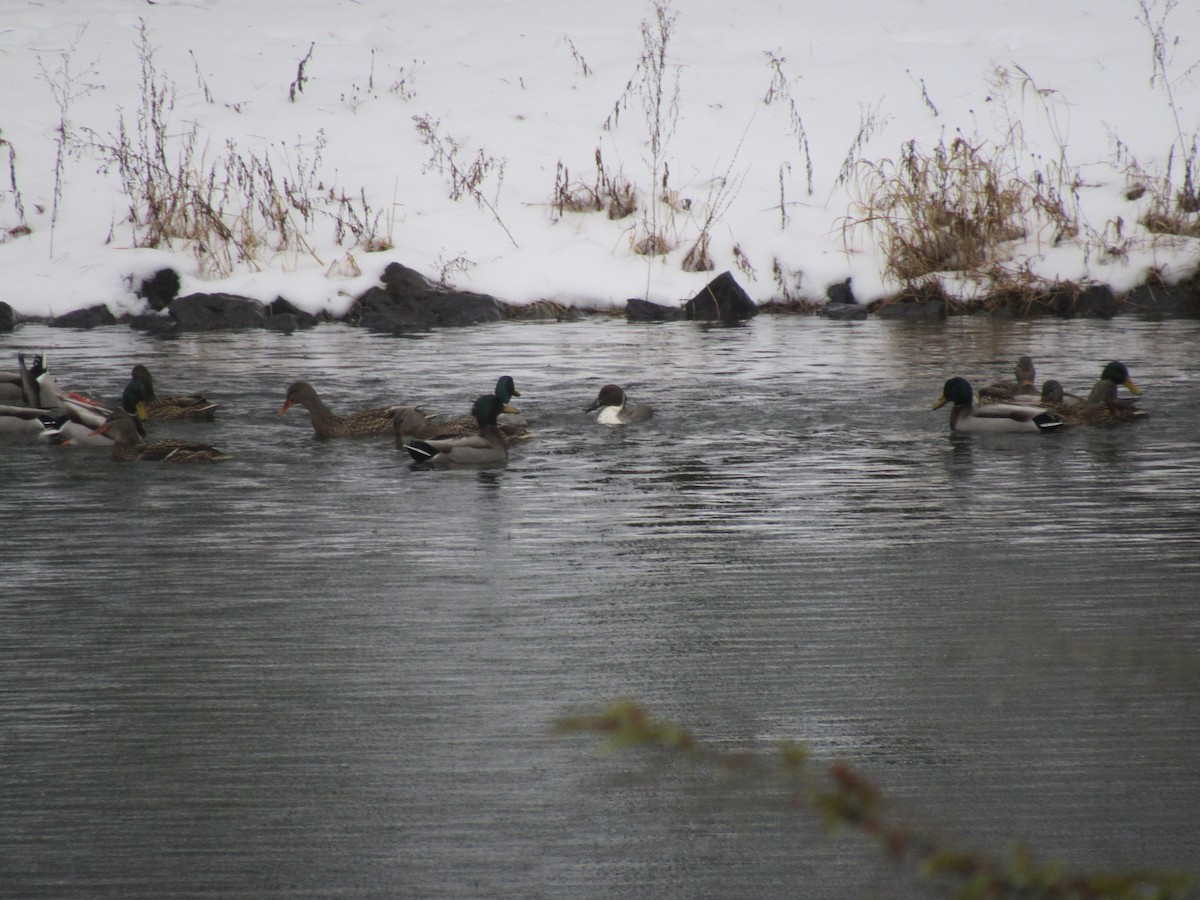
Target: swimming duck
x=486, y=447
x=1102, y=406
x=615, y=408
x=1114, y=375
x=995, y=417
x=24, y=419
x=328, y=424
x=20, y=389
x=72, y=417
x=1023, y=386
x=128, y=445
x=415, y=423
x=178, y=406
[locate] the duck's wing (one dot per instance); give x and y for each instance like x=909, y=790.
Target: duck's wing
x=1011, y=417
x=471, y=449
x=179, y=451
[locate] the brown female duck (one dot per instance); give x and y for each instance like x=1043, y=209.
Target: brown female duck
x=129, y=445
x=328, y=424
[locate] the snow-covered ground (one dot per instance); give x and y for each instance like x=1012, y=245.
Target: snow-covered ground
x=754, y=93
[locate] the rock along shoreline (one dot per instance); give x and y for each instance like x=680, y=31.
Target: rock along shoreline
x=407, y=302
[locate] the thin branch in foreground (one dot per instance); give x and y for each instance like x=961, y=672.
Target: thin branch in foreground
x=843, y=797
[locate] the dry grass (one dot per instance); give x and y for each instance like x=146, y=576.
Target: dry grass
x=943, y=209
x=238, y=208
x=606, y=191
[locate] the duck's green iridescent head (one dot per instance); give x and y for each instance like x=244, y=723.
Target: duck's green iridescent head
x=486, y=409
x=134, y=399
x=506, y=388
x=957, y=391
x=1117, y=373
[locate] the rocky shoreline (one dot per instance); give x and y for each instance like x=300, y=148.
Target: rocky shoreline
x=406, y=301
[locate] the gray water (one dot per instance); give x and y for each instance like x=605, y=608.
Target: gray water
x=316, y=670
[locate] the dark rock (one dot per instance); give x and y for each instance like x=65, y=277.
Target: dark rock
x=279, y=307
x=216, y=312
x=721, y=299
x=1094, y=301
x=544, y=311
x=154, y=323
x=160, y=289
x=844, y=311
x=410, y=301
x=638, y=310
x=913, y=311
x=90, y=317
x=1165, y=300
x=284, y=322
x=840, y=293
x=8, y=318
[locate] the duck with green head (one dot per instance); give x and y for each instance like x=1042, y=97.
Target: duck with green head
x=997, y=418
x=1102, y=406
x=140, y=390
x=486, y=447
x=413, y=423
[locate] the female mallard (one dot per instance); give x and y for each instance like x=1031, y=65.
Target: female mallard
x=1023, y=386
x=486, y=447
x=995, y=417
x=410, y=422
x=128, y=444
x=328, y=424
x=178, y=406
x=615, y=408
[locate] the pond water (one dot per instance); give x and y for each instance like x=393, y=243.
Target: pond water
x=315, y=669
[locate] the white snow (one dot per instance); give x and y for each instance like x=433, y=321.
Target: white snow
x=530, y=84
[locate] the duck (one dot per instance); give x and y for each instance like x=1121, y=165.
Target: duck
x=66, y=418
x=412, y=422
x=20, y=389
x=129, y=446
x=1023, y=387
x=25, y=419
x=615, y=407
x=1102, y=406
x=140, y=389
x=995, y=417
x=328, y=424
x=486, y=447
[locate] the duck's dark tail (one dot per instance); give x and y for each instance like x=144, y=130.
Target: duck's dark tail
x=420, y=451
x=1047, y=421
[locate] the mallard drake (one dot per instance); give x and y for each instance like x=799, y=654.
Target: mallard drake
x=328, y=424
x=177, y=406
x=128, y=445
x=72, y=418
x=615, y=408
x=25, y=419
x=429, y=427
x=995, y=417
x=1102, y=406
x=486, y=447
x=1022, y=386
x=1104, y=391
x=20, y=389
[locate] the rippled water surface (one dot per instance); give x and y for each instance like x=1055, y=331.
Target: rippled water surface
x=316, y=670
